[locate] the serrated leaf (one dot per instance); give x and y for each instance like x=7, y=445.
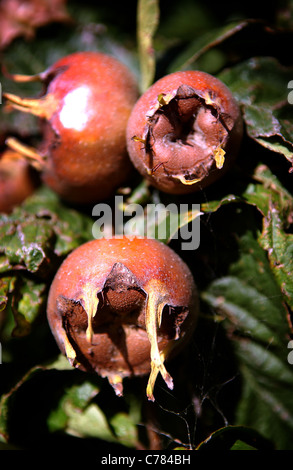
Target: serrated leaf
x=41, y=229
x=273, y=368
x=279, y=246
x=260, y=85
x=24, y=243
x=251, y=305
x=276, y=205
x=71, y=226
x=245, y=307
x=32, y=240
x=266, y=406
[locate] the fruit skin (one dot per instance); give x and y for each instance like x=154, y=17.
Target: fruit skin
x=17, y=181
x=120, y=344
x=183, y=145
x=85, y=109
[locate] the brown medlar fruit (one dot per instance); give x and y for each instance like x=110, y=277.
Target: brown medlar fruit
x=184, y=132
x=84, y=110
x=121, y=307
x=17, y=180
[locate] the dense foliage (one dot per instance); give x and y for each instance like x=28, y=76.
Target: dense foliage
x=233, y=382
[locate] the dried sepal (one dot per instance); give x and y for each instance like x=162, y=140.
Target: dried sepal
x=26, y=152
x=65, y=306
x=156, y=301
x=43, y=107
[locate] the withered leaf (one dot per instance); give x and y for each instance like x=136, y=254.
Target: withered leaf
x=22, y=17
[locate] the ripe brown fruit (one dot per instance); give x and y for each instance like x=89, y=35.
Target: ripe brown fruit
x=84, y=109
x=17, y=180
x=121, y=306
x=184, y=132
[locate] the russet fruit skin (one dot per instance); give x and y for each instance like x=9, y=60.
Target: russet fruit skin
x=121, y=306
x=17, y=181
x=84, y=110
x=184, y=132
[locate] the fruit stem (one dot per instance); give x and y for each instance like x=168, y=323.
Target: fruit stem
x=157, y=299
x=28, y=152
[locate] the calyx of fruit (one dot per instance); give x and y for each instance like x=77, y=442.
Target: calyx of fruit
x=113, y=309
x=190, y=123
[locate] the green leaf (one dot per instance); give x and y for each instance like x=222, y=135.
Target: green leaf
x=147, y=22
x=125, y=429
x=6, y=286
x=204, y=43
x=23, y=243
x=279, y=246
x=235, y=438
x=260, y=85
x=213, y=206
x=266, y=405
x=159, y=221
x=41, y=229
x=276, y=205
x=32, y=297
x=77, y=414
x=33, y=241
x=7, y=400
x=267, y=187
x=250, y=297
x=250, y=303
x=71, y=226
x=91, y=423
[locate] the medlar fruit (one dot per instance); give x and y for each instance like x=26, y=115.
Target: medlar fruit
x=17, y=180
x=84, y=109
x=121, y=307
x=184, y=132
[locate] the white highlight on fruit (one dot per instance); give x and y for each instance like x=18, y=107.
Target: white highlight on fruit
x=74, y=113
